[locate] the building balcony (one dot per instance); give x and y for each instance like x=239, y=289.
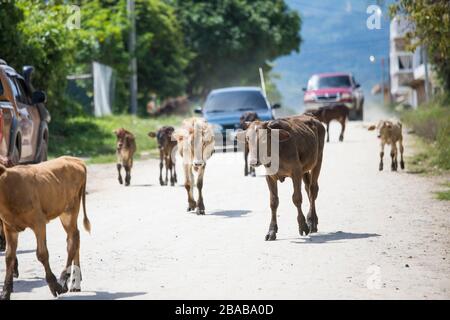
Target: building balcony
x=399, y=27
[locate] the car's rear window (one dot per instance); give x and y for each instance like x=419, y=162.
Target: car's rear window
x=329, y=82
x=235, y=101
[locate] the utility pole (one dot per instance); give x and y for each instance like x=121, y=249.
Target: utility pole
x=389, y=79
x=132, y=50
x=427, y=80
x=382, y=82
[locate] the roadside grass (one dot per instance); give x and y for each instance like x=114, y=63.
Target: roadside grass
x=444, y=195
x=430, y=124
x=93, y=138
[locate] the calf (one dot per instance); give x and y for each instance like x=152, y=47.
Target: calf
x=166, y=147
x=42, y=193
x=301, y=142
x=126, y=147
x=326, y=114
x=390, y=132
x=195, y=145
x=245, y=120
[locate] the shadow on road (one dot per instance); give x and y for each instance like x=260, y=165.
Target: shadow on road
x=29, y=285
x=19, y=252
x=230, y=213
x=101, y=295
x=335, y=237
x=141, y=185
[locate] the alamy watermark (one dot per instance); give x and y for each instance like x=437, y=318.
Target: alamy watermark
x=374, y=20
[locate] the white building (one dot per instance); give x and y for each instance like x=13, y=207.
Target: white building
x=407, y=69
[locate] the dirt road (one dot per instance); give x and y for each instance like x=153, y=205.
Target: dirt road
x=381, y=235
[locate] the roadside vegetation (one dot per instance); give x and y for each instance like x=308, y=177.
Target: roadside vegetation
x=94, y=139
x=431, y=124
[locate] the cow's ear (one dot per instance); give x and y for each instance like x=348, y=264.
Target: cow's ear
x=240, y=136
x=283, y=135
x=372, y=127
x=177, y=136
x=152, y=134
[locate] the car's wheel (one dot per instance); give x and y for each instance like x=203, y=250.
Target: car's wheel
x=43, y=155
x=352, y=114
x=360, y=113
x=15, y=155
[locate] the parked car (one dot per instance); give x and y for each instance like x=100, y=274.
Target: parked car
x=23, y=117
x=224, y=107
x=330, y=89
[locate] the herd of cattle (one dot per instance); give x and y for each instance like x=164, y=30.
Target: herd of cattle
x=57, y=188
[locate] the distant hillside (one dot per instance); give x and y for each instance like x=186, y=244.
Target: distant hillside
x=335, y=38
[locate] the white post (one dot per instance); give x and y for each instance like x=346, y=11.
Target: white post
x=263, y=84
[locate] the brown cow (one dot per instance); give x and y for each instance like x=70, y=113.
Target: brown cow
x=126, y=147
x=6, y=163
x=327, y=114
x=166, y=147
x=245, y=120
x=196, y=145
x=41, y=193
x=390, y=132
x=301, y=142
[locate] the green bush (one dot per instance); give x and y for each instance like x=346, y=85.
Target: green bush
x=432, y=122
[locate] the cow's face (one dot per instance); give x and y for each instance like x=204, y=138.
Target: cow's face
x=196, y=144
x=258, y=136
x=163, y=136
x=123, y=139
x=384, y=128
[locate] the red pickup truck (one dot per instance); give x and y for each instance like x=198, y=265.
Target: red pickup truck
x=330, y=89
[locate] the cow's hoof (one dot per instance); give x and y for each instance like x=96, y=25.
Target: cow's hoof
x=304, y=231
x=341, y=139
x=120, y=181
x=253, y=174
x=200, y=212
x=189, y=209
x=402, y=165
x=56, y=289
x=75, y=290
x=271, y=236
x=380, y=167
x=312, y=227
x=5, y=296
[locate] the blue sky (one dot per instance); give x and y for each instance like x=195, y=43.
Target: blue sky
x=335, y=38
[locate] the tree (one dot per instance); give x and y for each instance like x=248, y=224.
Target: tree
x=161, y=55
x=231, y=39
x=34, y=33
x=160, y=52
x=430, y=21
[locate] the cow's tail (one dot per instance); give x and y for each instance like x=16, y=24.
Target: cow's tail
x=86, y=222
